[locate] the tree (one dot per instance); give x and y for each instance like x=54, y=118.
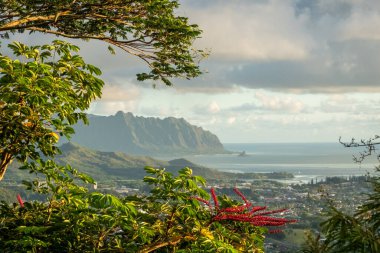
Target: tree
x=149, y=29
x=369, y=146
x=343, y=232
x=359, y=232
x=49, y=87
x=42, y=92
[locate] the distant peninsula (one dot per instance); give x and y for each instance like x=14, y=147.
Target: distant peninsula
x=124, y=132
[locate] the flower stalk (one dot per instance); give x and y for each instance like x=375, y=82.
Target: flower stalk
x=19, y=199
x=245, y=213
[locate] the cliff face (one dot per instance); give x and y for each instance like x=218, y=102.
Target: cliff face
x=149, y=136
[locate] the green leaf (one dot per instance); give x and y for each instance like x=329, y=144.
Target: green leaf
x=150, y=170
x=186, y=171
x=28, y=184
x=150, y=180
x=32, y=229
x=111, y=50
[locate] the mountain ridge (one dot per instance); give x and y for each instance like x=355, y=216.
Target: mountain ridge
x=145, y=135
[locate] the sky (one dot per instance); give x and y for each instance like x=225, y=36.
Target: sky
x=278, y=71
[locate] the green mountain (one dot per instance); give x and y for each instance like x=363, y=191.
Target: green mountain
x=118, y=165
x=124, y=132
x=108, y=166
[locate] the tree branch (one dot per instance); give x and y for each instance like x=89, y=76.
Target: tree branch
x=143, y=54
x=173, y=241
x=5, y=162
x=370, y=147
x=16, y=24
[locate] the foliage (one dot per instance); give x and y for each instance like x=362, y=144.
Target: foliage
x=313, y=244
x=149, y=30
x=359, y=232
x=42, y=92
x=45, y=89
x=75, y=219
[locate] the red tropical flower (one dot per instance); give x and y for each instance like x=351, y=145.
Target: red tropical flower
x=245, y=212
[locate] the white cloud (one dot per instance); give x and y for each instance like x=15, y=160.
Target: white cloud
x=110, y=108
x=120, y=93
x=231, y=120
x=207, y=110
x=251, y=30
x=277, y=103
x=213, y=107
x=338, y=103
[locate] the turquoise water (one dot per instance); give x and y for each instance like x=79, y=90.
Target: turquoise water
x=304, y=160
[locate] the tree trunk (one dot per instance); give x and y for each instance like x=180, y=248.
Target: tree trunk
x=6, y=159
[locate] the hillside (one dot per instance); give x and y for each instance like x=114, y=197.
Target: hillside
x=117, y=165
x=101, y=165
x=124, y=132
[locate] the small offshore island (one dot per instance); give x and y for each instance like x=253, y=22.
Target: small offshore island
x=242, y=154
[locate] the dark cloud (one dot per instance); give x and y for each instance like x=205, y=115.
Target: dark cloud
x=343, y=66
x=338, y=42
x=245, y=107
x=318, y=9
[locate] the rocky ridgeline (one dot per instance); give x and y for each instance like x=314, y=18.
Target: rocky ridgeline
x=145, y=136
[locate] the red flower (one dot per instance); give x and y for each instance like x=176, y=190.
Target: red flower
x=213, y=195
x=20, y=200
x=245, y=213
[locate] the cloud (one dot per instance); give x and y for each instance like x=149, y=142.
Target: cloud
x=272, y=103
x=297, y=46
x=342, y=19
x=213, y=107
x=117, y=97
x=120, y=92
x=324, y=9
x=110, y=108
x=350, y=105
x=363, y=24
x=209, y=109
x=338, y=103
x=231, y=120
x=198, y=87
x=340, y=66
x=251, y=30
x=279, y=104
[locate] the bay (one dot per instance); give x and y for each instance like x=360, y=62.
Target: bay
x=305, y=160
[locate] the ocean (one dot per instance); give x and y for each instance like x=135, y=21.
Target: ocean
x=305, y=160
